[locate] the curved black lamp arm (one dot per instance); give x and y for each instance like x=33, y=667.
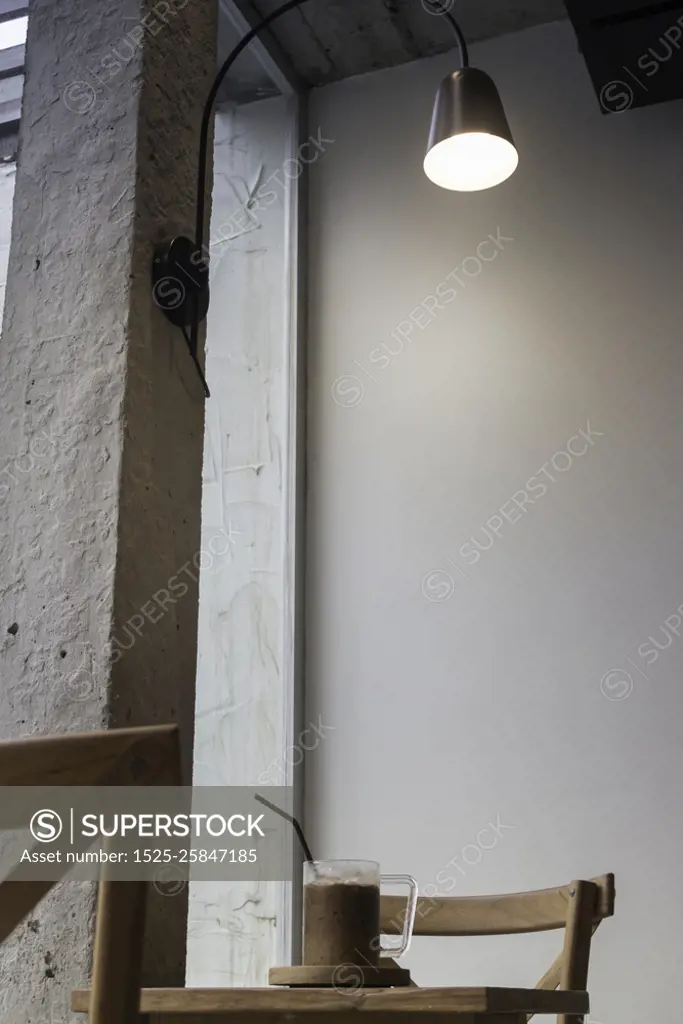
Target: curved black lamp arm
x=442, y=7
x=194, y=264
x=439, y=8
x=208, y=110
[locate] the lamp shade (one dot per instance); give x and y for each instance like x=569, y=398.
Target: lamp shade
x=470, y=143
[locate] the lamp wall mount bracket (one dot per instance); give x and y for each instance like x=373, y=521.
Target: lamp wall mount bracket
x=180, y=282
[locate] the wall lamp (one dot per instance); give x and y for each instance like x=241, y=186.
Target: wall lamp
x=470, y=148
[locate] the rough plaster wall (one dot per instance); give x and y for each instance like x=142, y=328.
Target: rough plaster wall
x=244, y=710
x=462, y=691
x=102, y=423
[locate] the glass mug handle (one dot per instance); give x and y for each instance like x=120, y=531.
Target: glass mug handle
x=408, y=920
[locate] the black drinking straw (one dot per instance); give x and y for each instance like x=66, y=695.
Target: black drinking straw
x=288, y=817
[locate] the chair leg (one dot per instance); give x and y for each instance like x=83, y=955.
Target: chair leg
x=117, y=966
x=577, y=942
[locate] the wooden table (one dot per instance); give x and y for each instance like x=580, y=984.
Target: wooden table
x=330, y=1006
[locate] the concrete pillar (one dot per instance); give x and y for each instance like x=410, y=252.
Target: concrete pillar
x=101, y=420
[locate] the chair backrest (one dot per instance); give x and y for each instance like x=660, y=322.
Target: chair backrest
x=148, y=756
x=578, y=908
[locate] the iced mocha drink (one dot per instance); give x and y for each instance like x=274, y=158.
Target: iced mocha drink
x=341, y=923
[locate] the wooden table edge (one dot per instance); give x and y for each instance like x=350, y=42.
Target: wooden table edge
x=442, y=1000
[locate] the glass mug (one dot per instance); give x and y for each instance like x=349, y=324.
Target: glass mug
x=341, y=913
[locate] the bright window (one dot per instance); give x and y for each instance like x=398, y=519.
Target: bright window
x=13, y=33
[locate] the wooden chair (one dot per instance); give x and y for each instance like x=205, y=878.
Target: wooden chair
x=578, y=908
x=122, y=757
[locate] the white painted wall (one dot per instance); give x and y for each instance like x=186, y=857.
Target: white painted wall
x=244, y=713
x=465, y=692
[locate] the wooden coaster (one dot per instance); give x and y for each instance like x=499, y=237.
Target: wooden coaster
x=340, y=976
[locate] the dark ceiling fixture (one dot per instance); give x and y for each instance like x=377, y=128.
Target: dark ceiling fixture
x=632, y=50
x=470, y=148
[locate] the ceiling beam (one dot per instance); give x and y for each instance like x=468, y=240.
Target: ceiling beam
x=265, y=48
